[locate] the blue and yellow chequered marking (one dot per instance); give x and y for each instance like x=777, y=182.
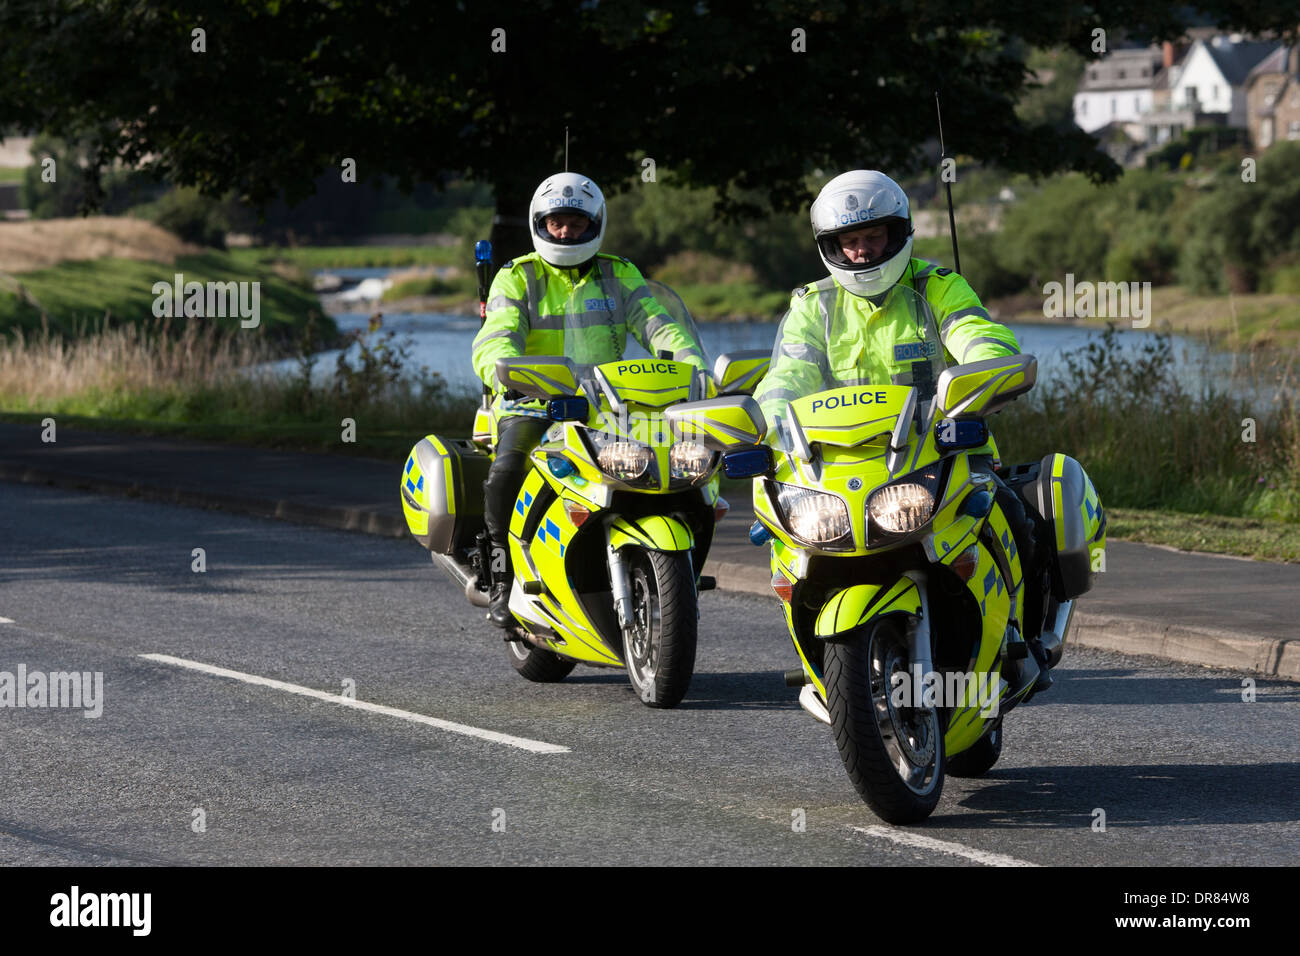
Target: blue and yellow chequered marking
x=548, y=532
x=524, y=501
x=414, y=486
x=417, y=515
x=1002, y=532
x=521, y=504
x=987, y=587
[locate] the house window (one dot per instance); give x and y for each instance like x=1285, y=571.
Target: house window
x=1214, y=98
x=1083, y=107
x=1293, y=131
x=1137, y=104
x=1114, y=105
x=1121, y=74
x=1266, y=132
x=1143, y=71
x=1092, y=74
x=1190, y=95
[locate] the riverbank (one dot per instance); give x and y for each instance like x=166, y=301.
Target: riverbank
x=206, y=383
x=1229, y=322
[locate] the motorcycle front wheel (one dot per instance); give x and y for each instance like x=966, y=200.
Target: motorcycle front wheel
x=659, y=646
x=893, y=754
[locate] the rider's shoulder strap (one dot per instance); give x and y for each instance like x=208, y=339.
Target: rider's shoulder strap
x=820, y=286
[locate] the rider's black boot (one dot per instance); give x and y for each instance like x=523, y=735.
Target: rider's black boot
x=499, y=599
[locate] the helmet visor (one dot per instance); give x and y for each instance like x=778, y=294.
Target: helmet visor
x=587, y=228
x=895, y=237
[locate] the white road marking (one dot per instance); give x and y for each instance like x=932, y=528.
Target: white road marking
x=523, y=743
x=907, y=838
x=6, y=620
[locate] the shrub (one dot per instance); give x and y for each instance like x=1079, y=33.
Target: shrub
x=186, y=213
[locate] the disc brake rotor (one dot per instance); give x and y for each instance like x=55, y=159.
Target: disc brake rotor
x=643, y=644
x=909, y=733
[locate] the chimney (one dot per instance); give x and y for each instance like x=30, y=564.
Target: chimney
x=1293, y=61
x=1167, y=54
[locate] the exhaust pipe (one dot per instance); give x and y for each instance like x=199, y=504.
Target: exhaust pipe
x=463, y=577
x=1055, y=631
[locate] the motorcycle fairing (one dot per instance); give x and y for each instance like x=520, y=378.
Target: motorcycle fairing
x=655, y=533
x=651, y=382
x=854, y=606
x=982, y=388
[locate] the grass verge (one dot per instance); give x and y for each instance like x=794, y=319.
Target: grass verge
x=75, y=295
x=1260, y=538
x=1149, y=442
x=308, y=258
x=204, y=383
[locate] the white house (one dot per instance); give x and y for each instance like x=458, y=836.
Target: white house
x=1211, y=79
x=1117, y=89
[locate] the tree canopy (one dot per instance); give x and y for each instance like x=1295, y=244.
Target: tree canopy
x=747, y=97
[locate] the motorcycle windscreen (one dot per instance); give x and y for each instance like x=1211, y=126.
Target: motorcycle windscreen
x=681, y=336
x=892, y=339
x=606, y=321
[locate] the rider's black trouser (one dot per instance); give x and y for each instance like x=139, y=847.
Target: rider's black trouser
x=517, y=435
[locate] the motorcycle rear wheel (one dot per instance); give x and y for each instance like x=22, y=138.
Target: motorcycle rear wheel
x=538, y=664
x=893, y=755
x=980, y=758
x=659, y=647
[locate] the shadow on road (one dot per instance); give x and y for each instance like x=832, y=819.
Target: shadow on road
x=1144, y=795
x=1120, y=686
x=761, y=690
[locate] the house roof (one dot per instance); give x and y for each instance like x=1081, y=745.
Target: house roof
x=1138, y=64
x=1236, y=60
x=1275, y=62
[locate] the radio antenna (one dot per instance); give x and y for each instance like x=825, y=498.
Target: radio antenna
x=952, y=219
x=566, y=149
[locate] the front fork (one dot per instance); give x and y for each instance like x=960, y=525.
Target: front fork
x=620, y=586
x=918, y=637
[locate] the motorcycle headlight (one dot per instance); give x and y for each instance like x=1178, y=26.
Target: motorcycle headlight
x=905, y=505
x=625, y=460
x=689, y=460
x=816, y=518
x=622, y=458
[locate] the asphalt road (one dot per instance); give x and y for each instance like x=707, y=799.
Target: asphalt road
x=1185, y=771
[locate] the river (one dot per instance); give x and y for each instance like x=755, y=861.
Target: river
x=442, y=343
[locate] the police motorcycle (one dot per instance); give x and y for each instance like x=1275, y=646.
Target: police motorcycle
x=899, y=577
x=615, y=517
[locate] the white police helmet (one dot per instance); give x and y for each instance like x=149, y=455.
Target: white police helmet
x=567, y=193
x=854, y=200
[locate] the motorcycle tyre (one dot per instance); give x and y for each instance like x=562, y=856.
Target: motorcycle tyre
x=538, y=664
x=978, y=760
x=849, y=666
x=664, y=579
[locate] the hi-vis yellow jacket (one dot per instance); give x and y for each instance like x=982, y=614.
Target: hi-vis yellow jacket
x=863, y=336
x=529, y=306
